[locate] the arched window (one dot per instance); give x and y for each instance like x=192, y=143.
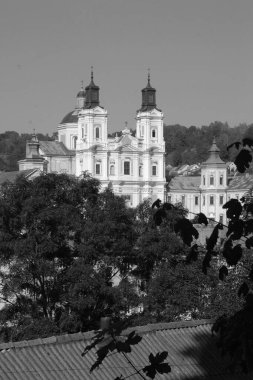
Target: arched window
x=211, y=179
x=112, y=170
x=126, y=167
x=204, y=180
x=140, y=170
x=221, y=179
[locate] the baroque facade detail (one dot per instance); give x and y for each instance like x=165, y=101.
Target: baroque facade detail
x=132, y=166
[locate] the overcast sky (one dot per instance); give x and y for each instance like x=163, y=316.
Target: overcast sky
x=200, y=53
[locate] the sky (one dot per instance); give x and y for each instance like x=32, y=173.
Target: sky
x=200, y=55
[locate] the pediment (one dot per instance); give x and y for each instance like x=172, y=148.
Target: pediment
x=155, y=112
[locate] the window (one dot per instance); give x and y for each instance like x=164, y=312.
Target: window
x=221, y=180
x=112, y=170
x=142, y=130
x=126, y=167
x=97, y=133
x=221, y=219
x=204, y=200
x=140, y=171
x=211, y=200
x=153, y=133
x=98, y=169
x=204, y=180
x=196, y=201
x=153, y=169
x=211, y=180
x=183, y=200
x=74, y=142
x=221, y=199
x=169, y=198
x=82, y=133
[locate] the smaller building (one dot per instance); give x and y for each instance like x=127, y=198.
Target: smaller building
x=210, y=190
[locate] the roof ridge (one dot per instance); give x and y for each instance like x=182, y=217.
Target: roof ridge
x=149, y=328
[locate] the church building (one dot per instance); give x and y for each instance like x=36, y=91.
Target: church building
x=132, y=166
x=208, y=192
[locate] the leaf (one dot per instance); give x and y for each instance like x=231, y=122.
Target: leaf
x=248, y=226
x=157, y=365
x=202, y=219
x=248, y=207
x=232, y=255
x=235, y=227
x=243, y=290
x=247, y=141
x=236, y=144
x=243, y=160
x=159, y=216
x=186, y=230
x=234, y=208
x=249, y=242
x=157, y=203
x=223, y=272
x=212, y=240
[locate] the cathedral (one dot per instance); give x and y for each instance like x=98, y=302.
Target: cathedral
x=132, y=166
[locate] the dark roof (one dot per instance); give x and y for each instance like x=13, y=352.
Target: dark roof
x=71, y=117
x=192, y=355
x=185, y=183
x=242, y=182
x=12, y=176
x=55, y=148
x=214, y=156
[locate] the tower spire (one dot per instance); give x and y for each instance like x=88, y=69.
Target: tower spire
x=91, y=73
x=148, y=76
x=92, y=93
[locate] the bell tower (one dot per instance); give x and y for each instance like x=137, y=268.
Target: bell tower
x=149, y=118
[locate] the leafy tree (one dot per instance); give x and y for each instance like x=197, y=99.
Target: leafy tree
x=57, y=229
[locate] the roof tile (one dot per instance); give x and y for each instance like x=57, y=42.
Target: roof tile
x=192, y=354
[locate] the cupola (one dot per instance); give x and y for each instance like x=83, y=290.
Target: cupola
x=148, y=97
x=80, y=97
x=92, y=94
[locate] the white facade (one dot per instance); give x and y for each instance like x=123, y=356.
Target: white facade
x=208, y=192
x=133, y=166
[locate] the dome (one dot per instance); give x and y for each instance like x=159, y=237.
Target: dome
x=81, y=94
x=71, y=117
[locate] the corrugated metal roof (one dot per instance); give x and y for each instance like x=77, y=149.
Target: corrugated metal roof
x=11, y=176
x=192, y=355
x=185, y=183
x=55, y=148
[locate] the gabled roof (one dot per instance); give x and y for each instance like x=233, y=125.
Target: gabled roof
x=55, y=148
x=12, y=176
x=192, y=355
x=185, y=183
x=241, y=182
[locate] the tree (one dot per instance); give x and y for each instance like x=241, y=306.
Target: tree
x=55, y=229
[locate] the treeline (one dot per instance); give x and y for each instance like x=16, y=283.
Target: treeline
x=191, y=145
x=12, y=148
x=183, y=145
